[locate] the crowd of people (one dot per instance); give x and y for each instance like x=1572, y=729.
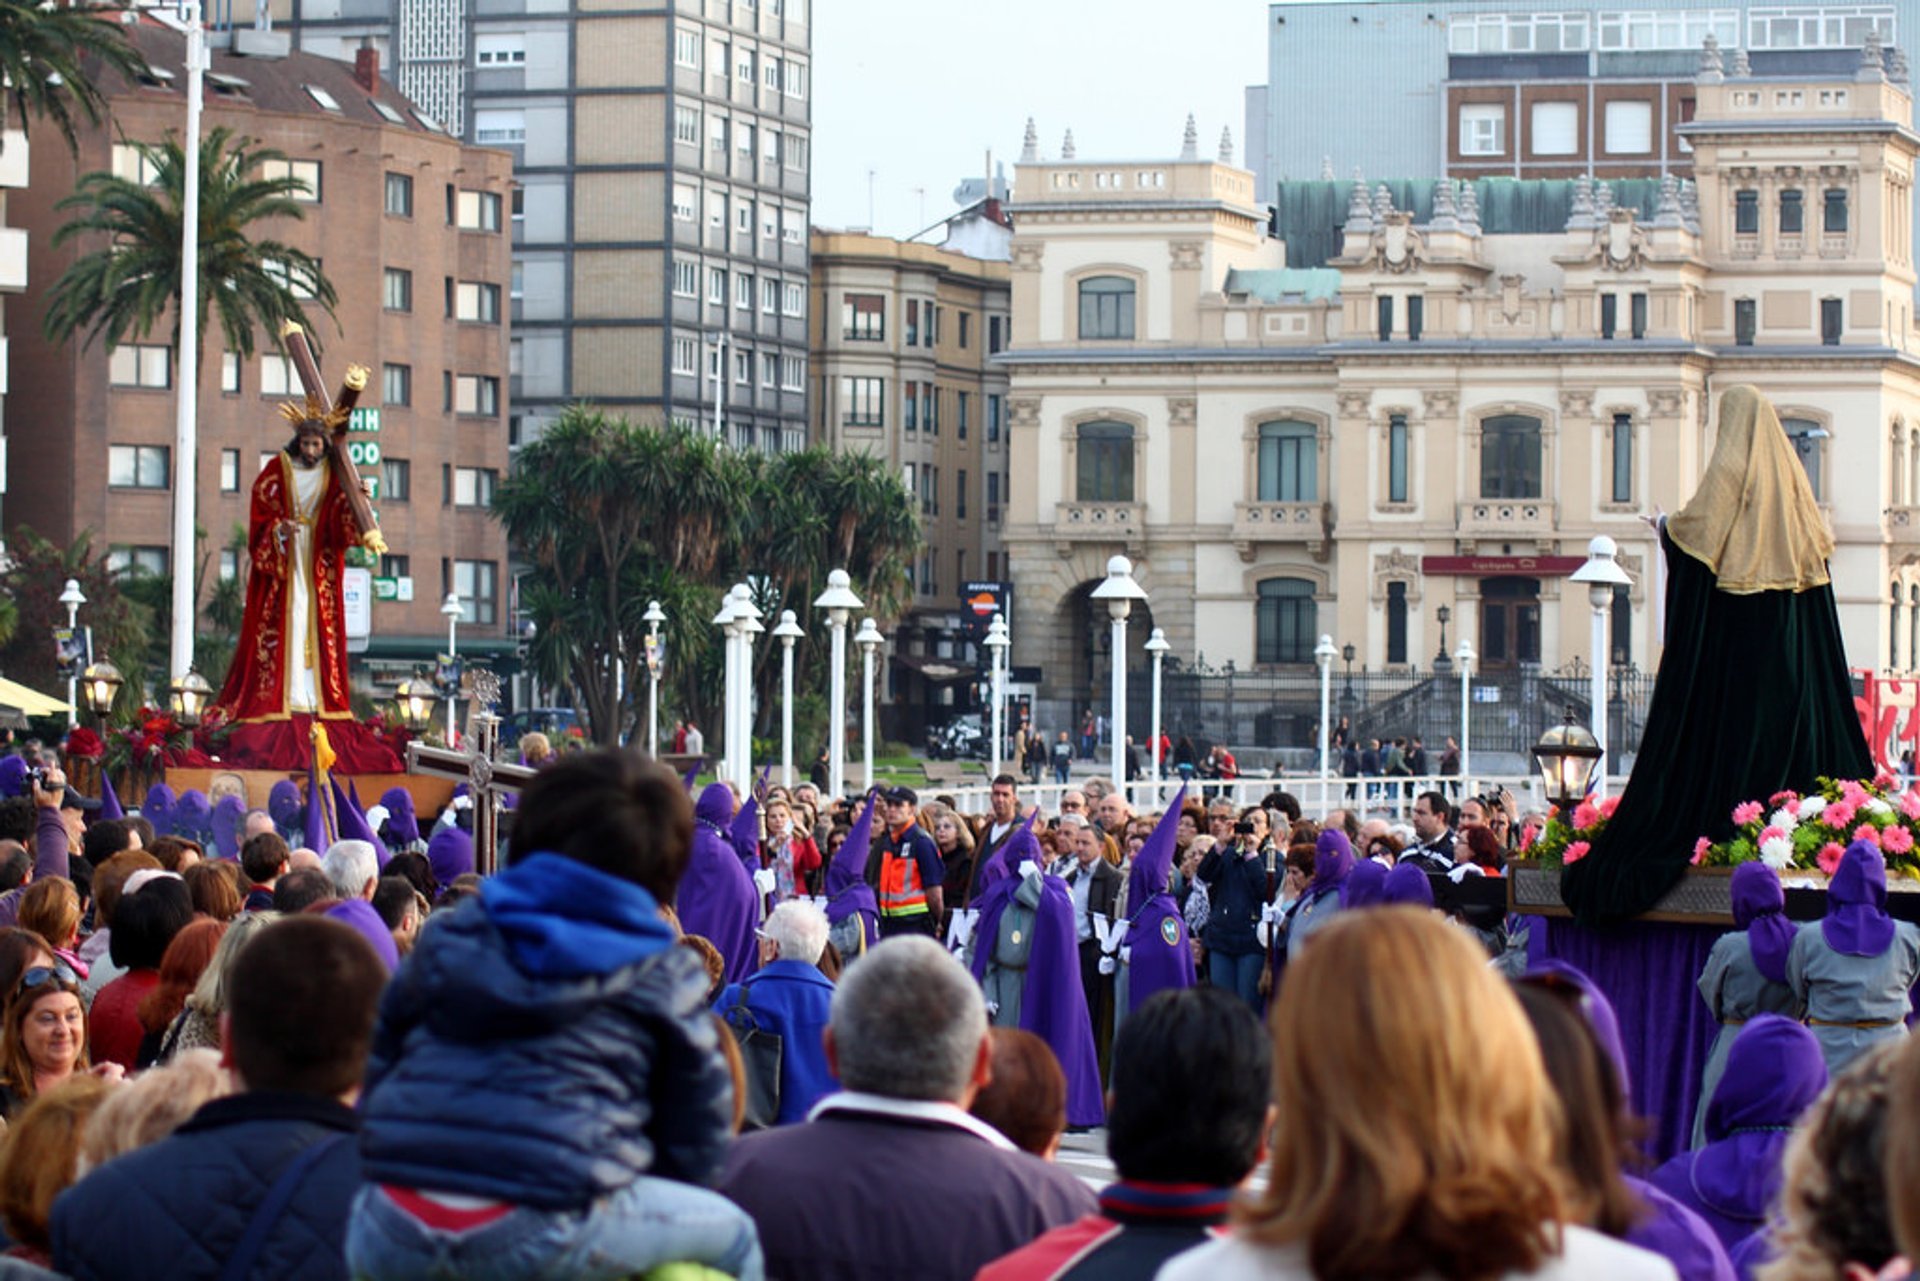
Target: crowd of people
x=793, y=1036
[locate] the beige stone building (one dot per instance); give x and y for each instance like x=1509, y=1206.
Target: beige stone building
x=903, y=340
x=1443, y=415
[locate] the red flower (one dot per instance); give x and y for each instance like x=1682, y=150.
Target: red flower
x=83, y=744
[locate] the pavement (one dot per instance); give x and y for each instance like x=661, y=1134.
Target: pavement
x=1084, y=1155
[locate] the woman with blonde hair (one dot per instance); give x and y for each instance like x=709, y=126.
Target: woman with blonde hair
x=152, y=1105
x=40, y=1162
x=1441, y=1164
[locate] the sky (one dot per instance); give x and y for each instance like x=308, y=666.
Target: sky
x=916, y=94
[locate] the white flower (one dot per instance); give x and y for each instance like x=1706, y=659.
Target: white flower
x=1777, y=853
x=1784, y=821
x=1878, y=808
x=1811, y=807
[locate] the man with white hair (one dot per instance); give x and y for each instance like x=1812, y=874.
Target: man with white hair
x=353, y=868
x=853, y=1191
x=789, y=997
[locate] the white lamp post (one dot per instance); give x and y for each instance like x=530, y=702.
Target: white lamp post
x=1324, y=653
x=73, y=598
x=997, y=643
x=869, y=640
x=186, y=422
x=788, y=632
x=1119, y=591
x=450, y=610
x=747, y=618
x=653, y=618
x=1601, y=574
x=839, y=602
x=725, y=622
x=1157, y=646
x=1464, y=658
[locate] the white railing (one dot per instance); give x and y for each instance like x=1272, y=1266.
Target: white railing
x=1390, y=798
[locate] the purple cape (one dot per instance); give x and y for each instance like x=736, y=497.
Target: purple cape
x=109, y=799
x=1760, y=908
x=846, y=883
x=716, y=899
x=1366, y=885
x=1053, y=1004
x=157, y=809
x=1857, y=923
x=229, y=812
x=1409, y=885
x=402, y=822
x=1159, y=956
x=1775, y=1071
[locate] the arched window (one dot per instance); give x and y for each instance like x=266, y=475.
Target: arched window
x=1106, y=307
x=1510, y=457
x=1284, y=621
x=1289, y=462
x=1396, y=622
x=1105, y=463
x=1806, y=435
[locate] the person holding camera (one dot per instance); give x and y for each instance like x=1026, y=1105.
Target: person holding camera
x=1235, y=875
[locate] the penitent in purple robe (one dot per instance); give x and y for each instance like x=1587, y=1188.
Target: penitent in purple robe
x=1053, y=1003
x=848, y=894
x=1158, y=954
x=716, y=896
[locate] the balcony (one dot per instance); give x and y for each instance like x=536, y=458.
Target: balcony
x=1098, y=523
x=1256, y=523
x=1507, y=518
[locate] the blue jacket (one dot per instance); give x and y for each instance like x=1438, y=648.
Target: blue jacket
x=544, y=1046
x=179, y=1208
x=791, y=998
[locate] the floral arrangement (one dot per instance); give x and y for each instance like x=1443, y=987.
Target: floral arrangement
x=390, y=729
x=84, y=745
x=1785, y=830
x=154, y=739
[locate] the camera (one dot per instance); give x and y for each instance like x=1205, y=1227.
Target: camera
x=1243, y=828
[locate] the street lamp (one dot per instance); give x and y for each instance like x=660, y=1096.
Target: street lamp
x=414, y=698
x=1324, y=653
x=1119, y=591
x=1566, y=757
x=73, y=598
x=653, y=618
x=189, y=697
x=1157, y=646
x=729, y=722
x=450, y=610
x=787, y=633
x=1465, y=658
x=186, y=419
x=868, y=638
x=1601, y=574
x=101, y=682
x=839, y=602
x=997, y=642
x=747, y=625
x=1445, y=616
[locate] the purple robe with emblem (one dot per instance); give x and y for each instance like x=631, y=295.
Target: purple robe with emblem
x=716, y=896
x=1053, y=1003
x=1159, y=956
x=229, y=813
x=846, y=884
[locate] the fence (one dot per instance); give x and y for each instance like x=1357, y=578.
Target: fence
x=1389, y=798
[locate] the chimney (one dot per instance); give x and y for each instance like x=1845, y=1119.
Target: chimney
x=366, y=67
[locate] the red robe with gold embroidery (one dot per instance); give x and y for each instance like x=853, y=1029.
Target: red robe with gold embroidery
x=259, y=679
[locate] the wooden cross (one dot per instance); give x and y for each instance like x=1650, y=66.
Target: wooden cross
x=489, y=779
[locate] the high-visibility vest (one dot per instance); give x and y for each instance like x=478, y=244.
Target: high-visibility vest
x=901, y=893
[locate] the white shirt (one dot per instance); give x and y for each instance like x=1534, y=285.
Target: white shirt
x=1585, y=1256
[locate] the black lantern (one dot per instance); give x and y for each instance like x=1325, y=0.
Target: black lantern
x=189, y=697
x=99, y=684
x=1566, y=756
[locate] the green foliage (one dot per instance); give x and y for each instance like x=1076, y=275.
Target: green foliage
x=613, y=515
x=51, y=56
x=123, y=628
x=131, y=280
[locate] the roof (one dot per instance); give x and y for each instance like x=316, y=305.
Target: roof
x=1297, y=284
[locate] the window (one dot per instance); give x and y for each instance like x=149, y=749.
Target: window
x=392, y=566
x=1638, y=306
x=137, y=466
x=229, y=471
x=686, y=356
x=1106, y=307
x=1555, y=128
x=1793, y=212
x=796, y=152
x=396, y=480
x=1105, y=463
x=717, y=210
x=1517, y=33
x=1620, y=626
x=865, y=400
x=717, y=286
x=911, y=326
x=796, y=79
x=1653, y=29
x=396, y=384
x=686, y=48
x=960, y=401
x=686, y=278
x=1834, y=212
x=1743, y=322
x=1609, y=314
x=140, y=365
x=743, y=291
x=477, y=302
x=793, y=226
x=960, y=494
x=1397, y=458
x=769, y=297
x=1622, y=489
x=1629, y=126
x=686, y=125
x=476, y=583
x=769, y=368
x=793, y=373
x=229, y=564
x=743, y=140
x=932, y=334
x=684, y=203
x=136, y=562
x=477, y=211
x=1746, y=213
x=1383, y=315
x=277, y=377
x=1483, y=129
x=134, y=165
x=1822, y=26
x=473, y=486
x=966, y=326
x=717, y=137
x=793, y=299
x=1283, y=621
x=400, y=195
x=743, y=66
x=993, y=420
x=1288, y=467
x=1510, y=457
x=743, y=216
x=1396, y=622
x=993, y=498
x=396, y=289
x=500, y=128
x=929, y=408
x=1806, y=436
x=1830, y=322
x=306, y=173
x=996, y=334
x=770, y=77
x=864, y=317
x=500, y=50
x=474, y=394
x=230, y=371
x=1416, y=316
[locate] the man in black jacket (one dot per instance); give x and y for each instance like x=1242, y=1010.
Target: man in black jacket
x=257, y=1184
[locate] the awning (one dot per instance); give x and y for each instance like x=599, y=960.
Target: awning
x=33, y=703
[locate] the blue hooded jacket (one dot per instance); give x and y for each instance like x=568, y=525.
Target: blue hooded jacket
x=545, y=1044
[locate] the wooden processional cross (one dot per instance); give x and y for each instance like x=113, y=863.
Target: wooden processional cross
x=489, y=779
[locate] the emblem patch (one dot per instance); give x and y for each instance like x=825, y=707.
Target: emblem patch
x=1170, y=931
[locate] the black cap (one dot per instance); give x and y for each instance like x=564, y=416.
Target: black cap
x=903, y=795
x=72, y=800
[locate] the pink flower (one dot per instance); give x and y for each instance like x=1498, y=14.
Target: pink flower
x=1772, y=834
x=1575, y=852
x=1867, y=832
x=1700, y=848
x=1792, y=807
x=1609, y=805
x=1585, y=815
x=1853, y=794
x=1830, y=857
x=1779, y=798
x=1839, y=815
x=1910, y=804
x=1884, y=779
x=1896, y=840
x=1746, y=812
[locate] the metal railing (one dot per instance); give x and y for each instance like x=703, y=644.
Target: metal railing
x=1389, y=798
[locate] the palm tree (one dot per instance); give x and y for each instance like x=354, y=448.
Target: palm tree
x=51, y=56
x=123, y=293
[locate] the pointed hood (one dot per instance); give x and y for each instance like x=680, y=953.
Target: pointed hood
x=352, y=822
x=229, y=813
x=1365, y=885
x=450, y=855
x=285, y=807
x=403, y=823
x=1332, y=862
x=109, y=799
x=693, y=773
x=850, y=864
x=1857, y=923
x=1021, y=844
x=1775, y=1071
x=1407, y=885
x=192, y=817
x=157, y=809
x=1760, y=908
x=1153, y=865
x=13, y=776
x=715, y=807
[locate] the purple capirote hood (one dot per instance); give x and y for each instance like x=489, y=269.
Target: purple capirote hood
x=1857, y=923
x=1760, y=908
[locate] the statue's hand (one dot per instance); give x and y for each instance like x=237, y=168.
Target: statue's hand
x=372, y=541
